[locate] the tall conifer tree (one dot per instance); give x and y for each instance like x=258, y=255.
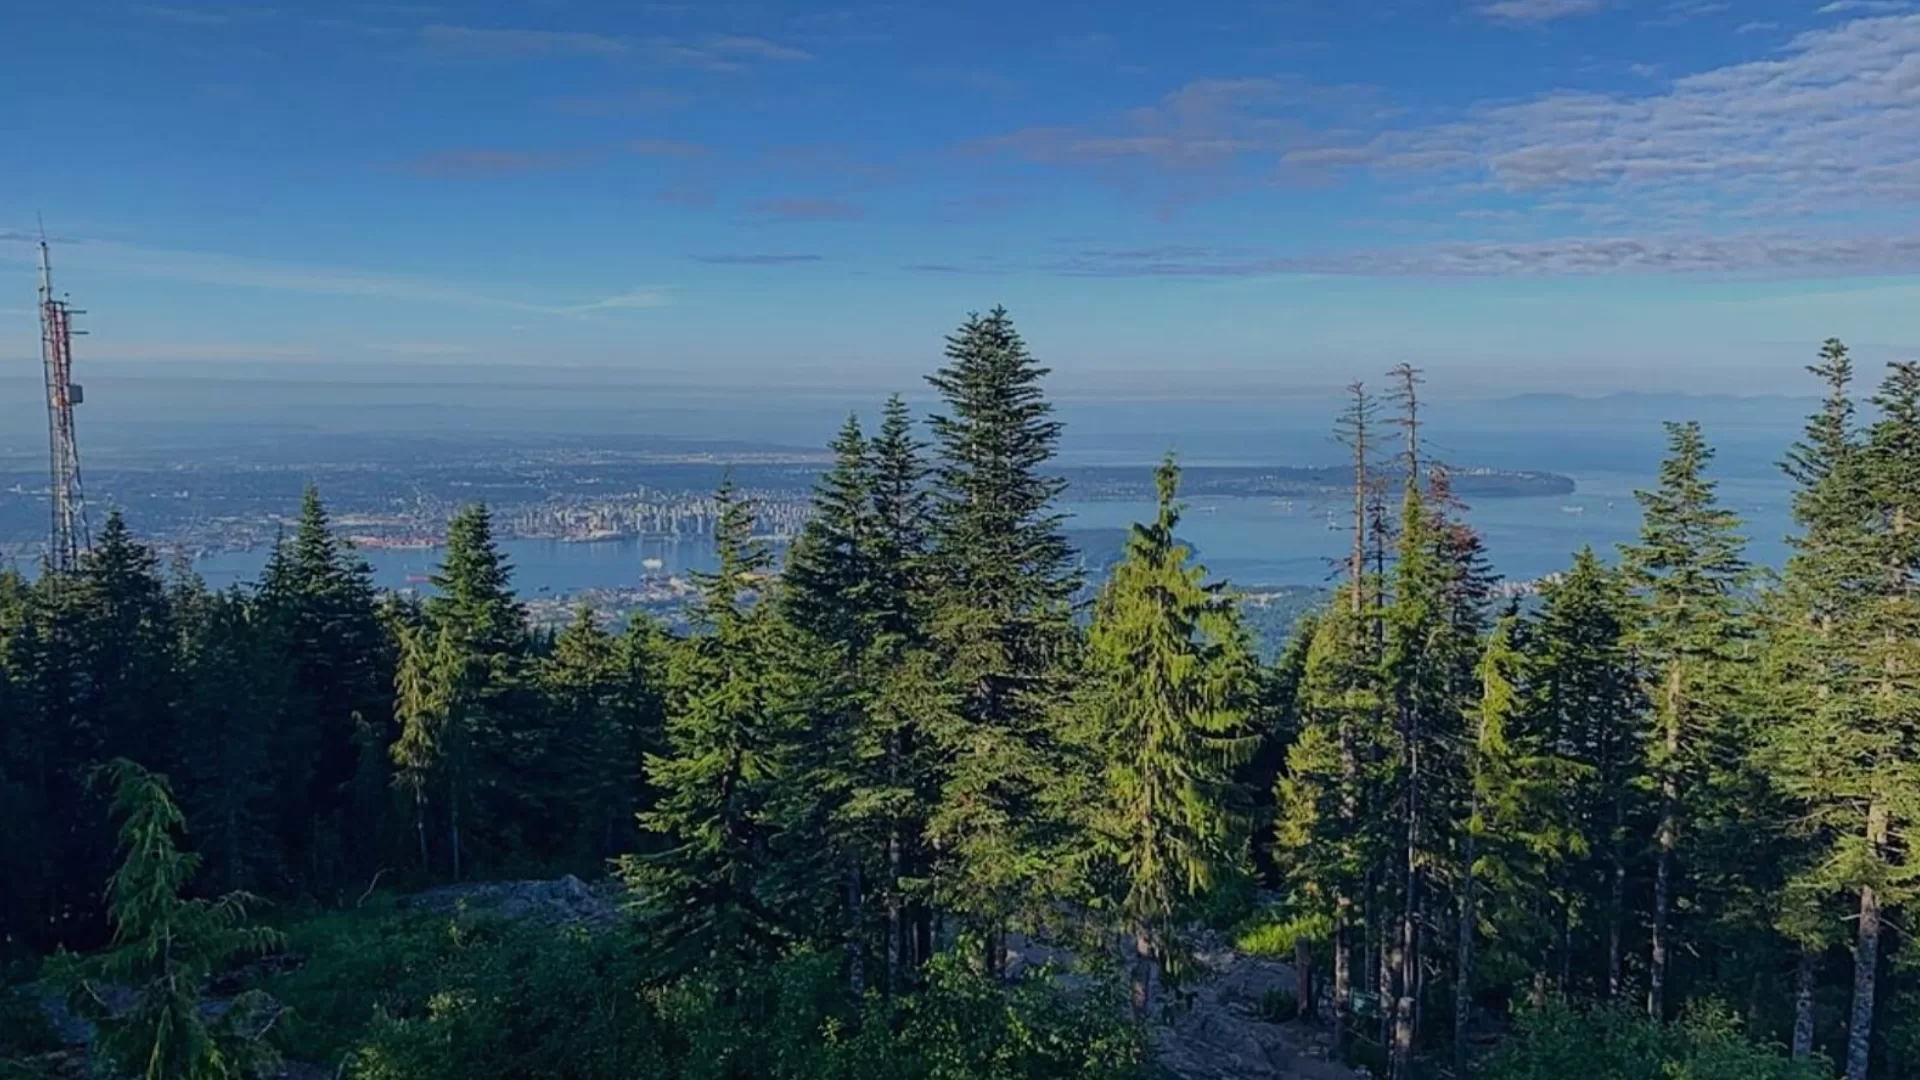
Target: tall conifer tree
x=1687, y=569
x=1006, y=577
x=1169, y=685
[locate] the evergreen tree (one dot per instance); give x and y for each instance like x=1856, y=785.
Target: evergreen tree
x=1169, y=682
x=1585, y=699
x=1002, y=621
x=492, y=729
x=317, y=601
x=226, y=746
x=1687, y=569
x=1850, y=633
x=709, y=891
x=165, y=946
x=587, y=692
x=419, y=750
x=1327, y=833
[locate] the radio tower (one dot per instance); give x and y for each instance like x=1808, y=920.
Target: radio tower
x=70, y=535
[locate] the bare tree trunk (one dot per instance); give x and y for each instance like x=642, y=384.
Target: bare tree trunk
x=1407, y=979
x=1303, y=977
x=1463, y=960
x=856, y=931
x=1146, y=970
x=1617, y=902
x=897, y=945
x=453, y=827
x=1803, y=978
x=1866, y=959
x=420, y=825
x=1669, y=843
x=1342, y=971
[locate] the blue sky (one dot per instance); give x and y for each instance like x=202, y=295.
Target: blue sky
x=1525, y=194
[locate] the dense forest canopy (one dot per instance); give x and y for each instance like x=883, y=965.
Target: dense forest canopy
x=1659, y=823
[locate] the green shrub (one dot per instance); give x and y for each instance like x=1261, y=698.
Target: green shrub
x=1275, y=935
x=1278, y=1006
x=1559, y=1043
x=419, y=998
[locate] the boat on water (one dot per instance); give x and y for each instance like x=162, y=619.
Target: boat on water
x=651, y=564
x=1573, y=509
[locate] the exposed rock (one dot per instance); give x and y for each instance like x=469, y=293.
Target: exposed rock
x=1221, y=1026
x=562, y=901
x=1224, y=1032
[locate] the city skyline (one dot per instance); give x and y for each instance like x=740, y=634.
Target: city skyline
x=1529, y=194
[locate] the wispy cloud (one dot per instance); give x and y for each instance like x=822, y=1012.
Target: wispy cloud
x=1813, y=138
x=1758, y=26
x=712, y=52
x=186, y=16
x=971, y=80
x=422, y=348
x=742, y=45
x=802, y=209
x=473, y=163
x=1865, y=7
x=1746, y=254
x=475, y=39
x=230, y=271
x=649, y=99
x=1538, y=11
x=647, y=296
x=669, y=148
x=758, y=259
x=1202, y=124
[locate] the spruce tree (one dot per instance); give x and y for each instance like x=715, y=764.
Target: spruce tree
x=710, y=891
x=317, y=603
x=1687, y=569
x=1585, y=699
x=1170, y=681
x=1005, y=577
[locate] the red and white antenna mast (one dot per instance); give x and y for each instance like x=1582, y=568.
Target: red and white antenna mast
x=70, y=535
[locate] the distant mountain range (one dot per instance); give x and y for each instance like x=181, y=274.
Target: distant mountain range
x=1100, y=483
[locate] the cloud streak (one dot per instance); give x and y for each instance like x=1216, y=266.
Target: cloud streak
x=1538, y=11
x=1758, y=253
x=758, y=259
x=803, y=209
x=228, y=271
x=711, y=52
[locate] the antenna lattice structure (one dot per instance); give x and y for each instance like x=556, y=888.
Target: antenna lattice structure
x=70, y=534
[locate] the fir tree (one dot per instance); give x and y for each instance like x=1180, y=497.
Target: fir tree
x=1169, y=683
x=1688, y=569
x=1005, y=576
x=165, y=946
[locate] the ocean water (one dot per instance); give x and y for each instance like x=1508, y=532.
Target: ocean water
x=1250, y=542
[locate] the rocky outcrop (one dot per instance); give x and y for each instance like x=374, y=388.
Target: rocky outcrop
x=1224, y=1031
x=1221, y=1027
x=566, y=900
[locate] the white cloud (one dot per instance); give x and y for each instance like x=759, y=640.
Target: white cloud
x=1864, y=7
x=1538, y=11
